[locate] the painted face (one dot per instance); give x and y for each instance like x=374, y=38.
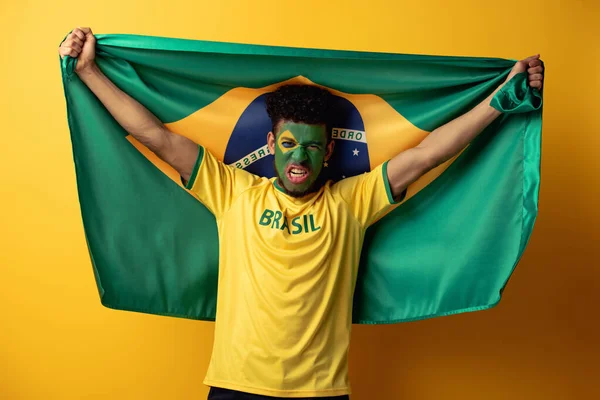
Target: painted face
x=300, y=151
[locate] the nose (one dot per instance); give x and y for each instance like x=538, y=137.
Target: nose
x=300, y=154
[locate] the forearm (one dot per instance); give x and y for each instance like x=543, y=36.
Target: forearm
x=448, y=140
x=439, y=146
x=130, y=114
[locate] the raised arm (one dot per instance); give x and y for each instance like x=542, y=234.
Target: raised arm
x=448, y=140
x=176, y=150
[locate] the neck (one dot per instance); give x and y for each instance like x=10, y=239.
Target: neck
x=315, y=187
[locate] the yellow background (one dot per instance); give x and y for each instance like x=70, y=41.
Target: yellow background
x=541, y=342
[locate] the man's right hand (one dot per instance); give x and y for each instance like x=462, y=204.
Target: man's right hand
x=176, y=150
x=80, y=44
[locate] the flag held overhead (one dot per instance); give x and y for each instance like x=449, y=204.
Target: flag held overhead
x=449, y=247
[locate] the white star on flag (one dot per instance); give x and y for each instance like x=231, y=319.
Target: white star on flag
x=355, y=152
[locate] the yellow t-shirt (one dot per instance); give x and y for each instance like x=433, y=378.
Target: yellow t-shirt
x=287, y=272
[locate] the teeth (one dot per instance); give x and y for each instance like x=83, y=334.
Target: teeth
x=297, y=172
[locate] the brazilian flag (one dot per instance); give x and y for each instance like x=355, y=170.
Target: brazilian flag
x=449, y=248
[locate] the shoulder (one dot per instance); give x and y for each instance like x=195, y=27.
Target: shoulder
x=253, y=182
x=343, y=185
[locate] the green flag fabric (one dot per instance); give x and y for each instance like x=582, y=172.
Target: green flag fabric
x=450, y=247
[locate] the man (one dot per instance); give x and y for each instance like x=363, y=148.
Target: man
x=290, y=246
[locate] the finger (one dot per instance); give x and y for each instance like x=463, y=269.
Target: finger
x=535, y=63
x=78, y=33
x=535, y=70
x=68, y=51
x=529, y=59
x=77, y=47
x=71, y=43
x=72, y=52
x=536, y=84
x=86, y=30
x=67, y=43
x=536, y=77
x=77, y=40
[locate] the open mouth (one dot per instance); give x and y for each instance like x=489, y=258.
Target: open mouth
x=297, y=174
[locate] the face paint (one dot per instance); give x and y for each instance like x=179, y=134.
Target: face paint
x=299, y=156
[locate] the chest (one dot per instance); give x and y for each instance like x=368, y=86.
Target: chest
x=275, y=219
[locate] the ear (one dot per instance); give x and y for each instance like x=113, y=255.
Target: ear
x=329, y=149
x=271, y=142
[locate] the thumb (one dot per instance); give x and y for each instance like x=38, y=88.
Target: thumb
x=522, y=65
x=530, y=59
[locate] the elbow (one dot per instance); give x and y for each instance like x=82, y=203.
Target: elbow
x=427, y=159
x=158, y=141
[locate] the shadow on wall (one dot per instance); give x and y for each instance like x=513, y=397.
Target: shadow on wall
x=539, y=342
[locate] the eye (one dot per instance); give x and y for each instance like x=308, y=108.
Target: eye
x=314, y=147
x=287, y=144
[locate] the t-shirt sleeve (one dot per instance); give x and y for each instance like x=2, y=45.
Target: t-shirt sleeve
x=216, y=184
x=369, y=195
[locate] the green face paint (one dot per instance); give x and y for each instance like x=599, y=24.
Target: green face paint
x=299, y=156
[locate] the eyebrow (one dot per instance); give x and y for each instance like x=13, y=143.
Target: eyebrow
x=288, y=138
x=287, y=134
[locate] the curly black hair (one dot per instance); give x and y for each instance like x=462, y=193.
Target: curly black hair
x=300, y=103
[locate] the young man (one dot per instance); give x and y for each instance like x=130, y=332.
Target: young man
x=290, y=245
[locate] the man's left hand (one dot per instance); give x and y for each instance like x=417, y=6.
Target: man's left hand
x=534, y=68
